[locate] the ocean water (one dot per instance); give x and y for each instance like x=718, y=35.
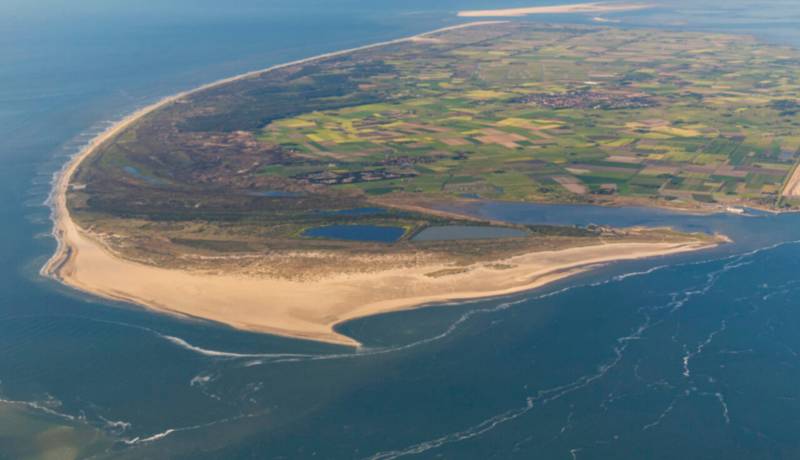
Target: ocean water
x=694, y=356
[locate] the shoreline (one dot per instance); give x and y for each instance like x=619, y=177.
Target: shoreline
x=575, y=8
x=305, y=310
x=312, y=309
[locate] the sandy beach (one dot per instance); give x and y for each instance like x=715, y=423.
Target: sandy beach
x=308, y=309
x=594, y=8
x=311, y=309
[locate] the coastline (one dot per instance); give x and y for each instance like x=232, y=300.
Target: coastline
x=307, y=310
x=312, y=309
x=57, y=198
x=593, y=7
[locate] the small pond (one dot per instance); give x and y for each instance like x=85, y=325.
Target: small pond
x=374, y=233
x=467, y=232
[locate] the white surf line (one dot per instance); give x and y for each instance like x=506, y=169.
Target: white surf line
x=177, y=341
x=477, y=430
x=712, y=277
x=549, y=395
x=170, y=431
x=542, y=397
x=120, y=426
x=781, y=289
x=117, y=426
x=568, y=424
x=662, y=415
x=737, y=261
x=80, y=143
x=726, y=417
x=42, y=407
x=700, y=347
x=202, y=380
x=45, y=407
x=725, y=412
x=181, y=343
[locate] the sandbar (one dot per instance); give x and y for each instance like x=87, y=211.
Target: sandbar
x=311, y=309
x=595, y=7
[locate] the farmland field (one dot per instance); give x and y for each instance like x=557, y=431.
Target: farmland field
x=555, y=114
x=512, y=111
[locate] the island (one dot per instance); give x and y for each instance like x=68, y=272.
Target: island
x=293, y=199
x=594, y=7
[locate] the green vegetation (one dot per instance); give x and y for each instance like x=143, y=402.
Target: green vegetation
x=514, y=111
x=533, y=113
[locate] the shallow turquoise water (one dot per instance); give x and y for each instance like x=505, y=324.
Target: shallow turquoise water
x=694, y=356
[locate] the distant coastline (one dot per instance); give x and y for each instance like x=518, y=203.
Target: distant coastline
x=308, y=310
x=595, y=7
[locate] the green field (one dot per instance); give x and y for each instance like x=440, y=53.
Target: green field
x=514, y=111
x=568, y=115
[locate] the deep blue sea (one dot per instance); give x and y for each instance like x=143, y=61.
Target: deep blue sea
x=688, y=357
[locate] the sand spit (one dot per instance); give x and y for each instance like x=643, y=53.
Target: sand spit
x=593, y=8
x=307, y=310
x=311, y=309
